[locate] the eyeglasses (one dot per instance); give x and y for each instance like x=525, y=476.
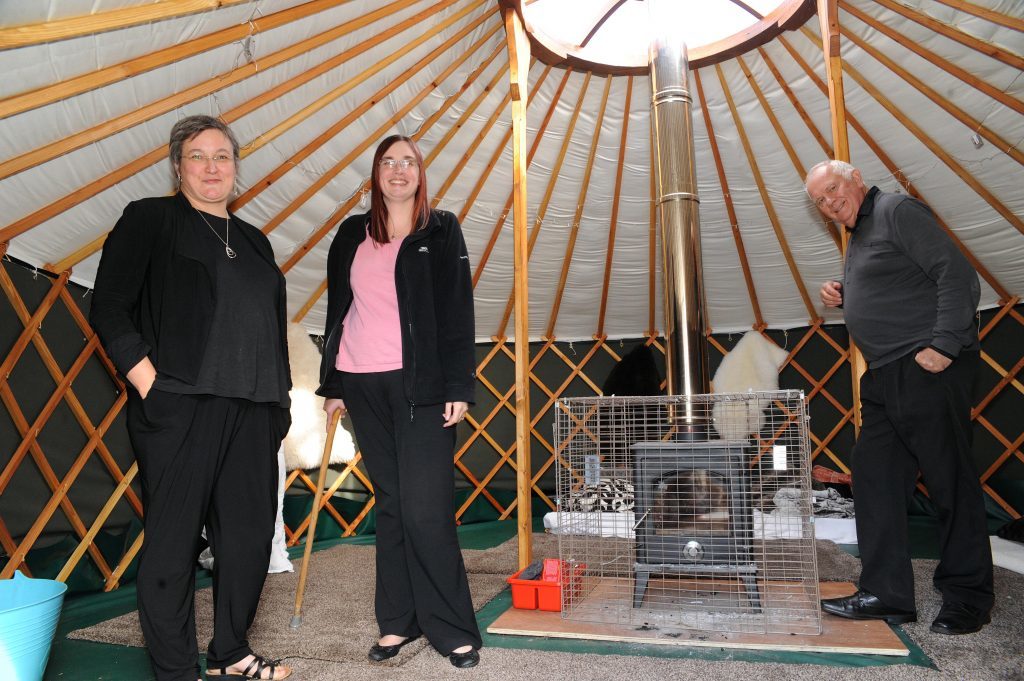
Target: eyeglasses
x=829, y=190
x=392, y=163
x=219, y=159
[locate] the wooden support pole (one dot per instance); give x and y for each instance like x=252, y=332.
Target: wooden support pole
x=828, y=19
x=519, y=75
x=482, y=258
x=545, y=201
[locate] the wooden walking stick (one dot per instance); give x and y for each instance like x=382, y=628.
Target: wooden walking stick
x=321, y=479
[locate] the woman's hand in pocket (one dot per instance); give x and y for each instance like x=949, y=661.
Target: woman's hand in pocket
x=142, y=376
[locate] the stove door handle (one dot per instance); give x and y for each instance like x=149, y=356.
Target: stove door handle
x=637, y=524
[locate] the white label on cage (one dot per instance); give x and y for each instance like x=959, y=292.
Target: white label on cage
x=779, y=457
x=591, y=470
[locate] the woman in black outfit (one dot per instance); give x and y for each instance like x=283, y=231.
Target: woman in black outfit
x=399, y=357
x=190, y=307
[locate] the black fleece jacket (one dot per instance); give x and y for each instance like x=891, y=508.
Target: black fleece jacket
x=435, y=306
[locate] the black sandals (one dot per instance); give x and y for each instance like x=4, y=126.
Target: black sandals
x=253, y=671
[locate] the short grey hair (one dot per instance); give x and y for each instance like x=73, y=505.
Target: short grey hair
x=839, y=168
x=190, y=126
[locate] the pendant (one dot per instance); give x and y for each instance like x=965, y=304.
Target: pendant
x=230, y=251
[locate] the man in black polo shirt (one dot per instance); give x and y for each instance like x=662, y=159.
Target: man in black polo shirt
x=909, y=297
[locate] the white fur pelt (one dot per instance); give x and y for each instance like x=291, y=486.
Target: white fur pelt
x=753, y=365
x=304, y=444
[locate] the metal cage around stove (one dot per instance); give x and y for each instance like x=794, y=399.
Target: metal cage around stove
x=667, y=526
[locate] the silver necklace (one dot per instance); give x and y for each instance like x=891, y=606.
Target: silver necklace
x=230, y=252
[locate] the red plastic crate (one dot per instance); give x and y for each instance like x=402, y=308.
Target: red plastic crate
x=544, y=593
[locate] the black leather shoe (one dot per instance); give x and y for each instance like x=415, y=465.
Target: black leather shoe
x=959, y=618
x=379, y=653
x=465, y=660
x=865, y=606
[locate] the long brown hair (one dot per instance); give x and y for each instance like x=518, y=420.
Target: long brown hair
x=378, y=210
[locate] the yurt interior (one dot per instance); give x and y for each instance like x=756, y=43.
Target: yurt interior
x=646, y=266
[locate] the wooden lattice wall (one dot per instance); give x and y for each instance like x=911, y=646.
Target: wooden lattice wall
x=63, y=401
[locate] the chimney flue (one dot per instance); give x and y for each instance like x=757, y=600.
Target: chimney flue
x=677, y=201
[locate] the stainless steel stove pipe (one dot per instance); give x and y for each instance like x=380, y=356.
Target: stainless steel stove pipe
x=676, y=194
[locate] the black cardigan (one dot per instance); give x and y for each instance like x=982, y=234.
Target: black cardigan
x=435, y=306
x=154, y=292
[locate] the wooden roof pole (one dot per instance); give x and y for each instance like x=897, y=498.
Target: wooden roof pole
x=800, y=110
x=811, y=127
x=970, y=122
x=1006, y=99
x=159, y=154
x=538, y=220
x=96, y=244
x=500, y=222
x=94, y=80
x=828, y=19
x=898, y=175
x=762, y=189
x=986, y=14
x=415, y=23
x=734, y=222
x=111, y=127
x=325, y=177
x=613, y=225
x=780, y=133
x=489, y=166
x=934, y=146
x=371, y=139
x=473, y=146
x=90, y=24
x=581, y=201
x=519, y=78
x=982, y=46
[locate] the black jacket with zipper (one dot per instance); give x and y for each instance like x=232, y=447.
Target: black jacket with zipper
x=435, y=307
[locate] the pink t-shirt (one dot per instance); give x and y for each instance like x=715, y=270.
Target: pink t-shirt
x=372, y=339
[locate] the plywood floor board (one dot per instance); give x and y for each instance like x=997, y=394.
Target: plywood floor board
x=838, y=635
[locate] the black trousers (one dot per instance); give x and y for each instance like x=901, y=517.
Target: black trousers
x=914, y=421
x=421, y=579
x=202, y=460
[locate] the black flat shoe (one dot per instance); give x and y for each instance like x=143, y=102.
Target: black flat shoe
x=464, y=660
x=959, y=618
x=379, y=653
x=865, y=606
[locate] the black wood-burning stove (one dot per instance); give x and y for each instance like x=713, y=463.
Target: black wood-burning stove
x=694, y=512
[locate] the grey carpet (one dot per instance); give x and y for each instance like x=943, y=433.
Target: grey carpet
x=338, y=610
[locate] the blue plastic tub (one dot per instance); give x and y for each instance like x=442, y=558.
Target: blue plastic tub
x=29, y=610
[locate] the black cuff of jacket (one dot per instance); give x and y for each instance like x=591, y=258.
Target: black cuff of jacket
x=331, y=387
x=942, y=352
x=126, y=352
x=460, y=393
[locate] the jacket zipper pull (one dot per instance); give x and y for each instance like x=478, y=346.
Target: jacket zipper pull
x=411, y=408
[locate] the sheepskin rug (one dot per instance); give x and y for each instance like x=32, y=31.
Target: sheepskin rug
x=753, y=365
x=304, y=444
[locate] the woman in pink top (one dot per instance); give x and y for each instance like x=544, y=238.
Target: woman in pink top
x=400, y=359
